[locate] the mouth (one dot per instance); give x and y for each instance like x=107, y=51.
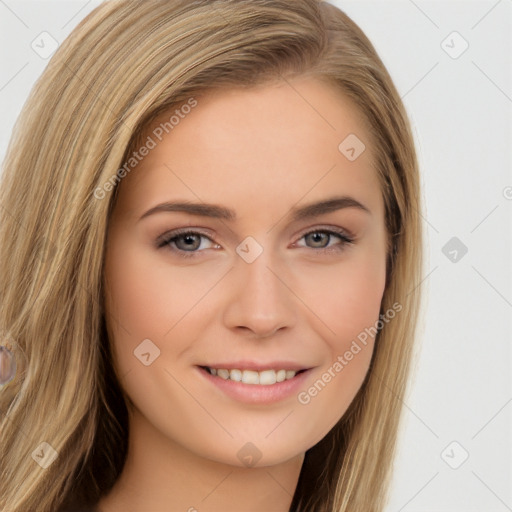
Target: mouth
x=267, y=377
x=258, y=385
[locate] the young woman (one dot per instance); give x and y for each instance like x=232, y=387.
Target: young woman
x=210, y=244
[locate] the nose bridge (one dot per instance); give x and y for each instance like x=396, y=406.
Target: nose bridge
x=259, y=300
x=259, y=279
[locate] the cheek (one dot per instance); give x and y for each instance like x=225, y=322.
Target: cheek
x=348, y=303
x=140, y=304
x=147, y=296
x=346, y=296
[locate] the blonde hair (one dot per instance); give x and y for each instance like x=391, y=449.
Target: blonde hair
x=123, y=65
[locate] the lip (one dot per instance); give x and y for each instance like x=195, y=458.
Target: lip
x=257, y=393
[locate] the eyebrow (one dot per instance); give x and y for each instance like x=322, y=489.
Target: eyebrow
x=221, y=212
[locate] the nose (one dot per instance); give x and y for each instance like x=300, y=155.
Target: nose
x=259, y=300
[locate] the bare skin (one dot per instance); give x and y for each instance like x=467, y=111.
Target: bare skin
x=304, y=298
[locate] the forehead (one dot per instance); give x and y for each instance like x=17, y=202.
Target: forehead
x=273, y=142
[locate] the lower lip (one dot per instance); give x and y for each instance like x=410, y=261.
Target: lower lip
x=257, y=393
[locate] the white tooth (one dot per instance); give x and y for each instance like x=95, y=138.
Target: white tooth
x=250, y=377
x=224, y=374
x=280, y=375
x=235, y=375
x=267, y=377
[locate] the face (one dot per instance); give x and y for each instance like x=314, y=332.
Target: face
x=262, y=282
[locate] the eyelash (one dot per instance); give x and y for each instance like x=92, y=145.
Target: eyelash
x=166, y=240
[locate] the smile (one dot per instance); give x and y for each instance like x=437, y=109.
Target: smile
x=256, y=387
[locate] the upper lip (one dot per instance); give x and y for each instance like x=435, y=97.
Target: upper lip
x=257, y=366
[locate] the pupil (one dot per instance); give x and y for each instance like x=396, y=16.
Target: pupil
x=317, y=237
x=189, y=241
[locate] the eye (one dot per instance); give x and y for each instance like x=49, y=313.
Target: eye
x=186, y=243
x=320, y=238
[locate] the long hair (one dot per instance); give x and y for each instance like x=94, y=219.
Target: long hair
x=123, y=65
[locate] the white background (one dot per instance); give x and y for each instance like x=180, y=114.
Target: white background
x=461, y=112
